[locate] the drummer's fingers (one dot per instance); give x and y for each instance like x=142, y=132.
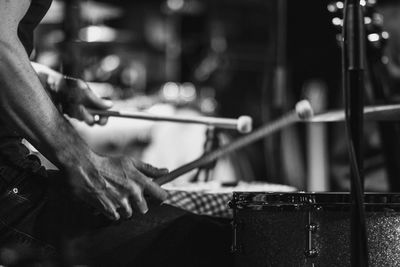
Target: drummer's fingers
x=138, y=198
x=86, y=115
x=154, y=190
x=150, y=170
x=104, y=205
x=120, y=200
x=102, y=120
x=126, y=207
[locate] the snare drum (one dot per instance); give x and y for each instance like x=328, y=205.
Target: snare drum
x=311, y=229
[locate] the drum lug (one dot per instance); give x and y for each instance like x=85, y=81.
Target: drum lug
x=311, y=253
x=312, y=227
x=236, y=244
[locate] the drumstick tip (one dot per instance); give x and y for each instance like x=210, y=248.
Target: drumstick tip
x=245, y=124
x=304, y=110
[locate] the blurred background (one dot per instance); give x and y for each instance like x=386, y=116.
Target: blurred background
x=223, y=58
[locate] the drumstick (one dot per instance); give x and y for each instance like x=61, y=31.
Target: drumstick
x=303, y=111
x=371, y=113
x=243, y=124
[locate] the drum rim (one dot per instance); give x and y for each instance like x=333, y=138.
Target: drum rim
x=243, y=200
x=314, y=193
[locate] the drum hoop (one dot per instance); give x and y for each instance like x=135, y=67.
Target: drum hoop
x=261, y=200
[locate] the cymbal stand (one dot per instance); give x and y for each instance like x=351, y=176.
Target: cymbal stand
x=353, y=52
x=211, y=143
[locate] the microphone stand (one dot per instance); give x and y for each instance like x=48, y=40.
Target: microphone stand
x=71, y=55
x=70, y=66
x=353, y=82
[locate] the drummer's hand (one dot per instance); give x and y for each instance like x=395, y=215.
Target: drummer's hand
x=113, y=185
x=74, y=97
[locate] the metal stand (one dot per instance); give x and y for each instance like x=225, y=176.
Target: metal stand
x=353, y=82
x=274, y=101
x=211, y=144
x=71, y=26
x=70, y=66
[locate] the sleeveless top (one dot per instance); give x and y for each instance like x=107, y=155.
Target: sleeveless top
x=32, y=18
x=12, y=152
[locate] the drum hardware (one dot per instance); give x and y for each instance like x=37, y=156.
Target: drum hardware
x=236, y=245
x=354, y=63
x=211, y=143
x=311, y=253
x=303, y=111
x=271, y=227
x=311, y=228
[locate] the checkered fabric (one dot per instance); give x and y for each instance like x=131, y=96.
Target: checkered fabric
x=212, y=198
x=201, y=202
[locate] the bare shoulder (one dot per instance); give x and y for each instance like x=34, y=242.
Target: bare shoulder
x=11, y=13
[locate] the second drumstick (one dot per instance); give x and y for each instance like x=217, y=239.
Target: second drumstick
x=303, y=111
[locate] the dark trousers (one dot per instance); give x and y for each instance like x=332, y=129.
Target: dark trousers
x=40, y=221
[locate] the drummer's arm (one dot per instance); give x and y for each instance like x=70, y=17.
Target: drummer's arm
x=24, y=105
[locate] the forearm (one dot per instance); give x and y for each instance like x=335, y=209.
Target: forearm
x=26, y=107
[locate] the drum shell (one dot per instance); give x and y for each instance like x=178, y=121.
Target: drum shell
x=303, y=234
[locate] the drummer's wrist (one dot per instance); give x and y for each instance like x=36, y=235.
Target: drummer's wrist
x=49, y=78
x=75, y=157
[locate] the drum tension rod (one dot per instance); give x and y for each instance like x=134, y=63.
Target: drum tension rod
x=311, y=228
